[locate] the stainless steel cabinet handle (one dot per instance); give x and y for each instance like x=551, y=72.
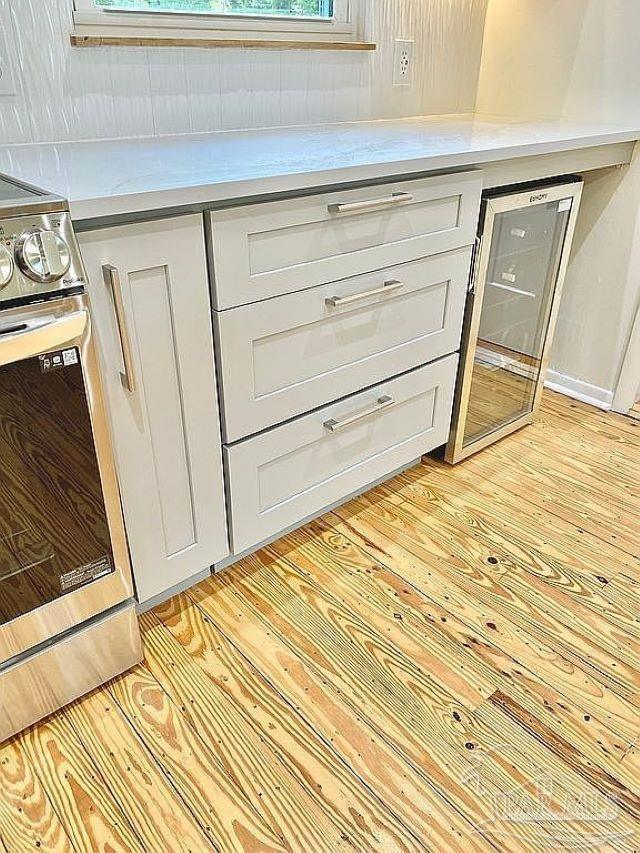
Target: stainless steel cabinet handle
x=381, y=403
x=111, y=277
x=387, y=287
x=371, y=204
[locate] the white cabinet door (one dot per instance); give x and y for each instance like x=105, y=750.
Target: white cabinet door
x=159, y=374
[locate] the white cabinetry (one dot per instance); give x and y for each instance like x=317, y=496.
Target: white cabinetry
x=150, y=298
x=338, y=319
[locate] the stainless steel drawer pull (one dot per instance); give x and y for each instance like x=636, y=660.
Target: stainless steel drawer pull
x=111, y=277
x=381, y=403
x=371, y=204
x=387, y=287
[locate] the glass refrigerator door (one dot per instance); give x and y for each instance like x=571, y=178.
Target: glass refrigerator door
x=521, y=263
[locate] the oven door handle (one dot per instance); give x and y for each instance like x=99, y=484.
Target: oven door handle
x=40, y=337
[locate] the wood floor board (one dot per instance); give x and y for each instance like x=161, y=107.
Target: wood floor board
x=541, y=482
x=541, y=534
x=420, y=807
x=290, y=810
x=609, y=432
x=625, y=592
x=514, y=558
x=608, y=784
x=28, y=820
x=611, y=475
x=80, y=795
x=498, y=779
x=394, y=695
x=144, y=795
x=338, y=791
x=338, y=562
x=448, y=662
x=631, y=761
x=572, y=630
x=450, y=574
x=611, y=811
x=617, y=460
x=222, y=809
x=609, y=427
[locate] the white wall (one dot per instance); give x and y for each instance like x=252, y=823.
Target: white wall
x=573, y=58
x=77, y=93
x=579, y=59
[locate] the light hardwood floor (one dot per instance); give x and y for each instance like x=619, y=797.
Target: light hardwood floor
x=450, y=662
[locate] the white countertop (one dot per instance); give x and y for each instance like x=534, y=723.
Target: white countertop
x=128, y=176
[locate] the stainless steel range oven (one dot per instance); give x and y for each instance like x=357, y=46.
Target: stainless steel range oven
x=67, y=617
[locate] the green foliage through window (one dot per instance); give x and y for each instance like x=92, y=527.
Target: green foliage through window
x=284, y=8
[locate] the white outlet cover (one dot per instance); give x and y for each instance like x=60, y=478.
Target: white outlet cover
x=7, y=82
x=403, y=62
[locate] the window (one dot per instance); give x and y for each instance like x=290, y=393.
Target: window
x=319, y=9
x=287, y=20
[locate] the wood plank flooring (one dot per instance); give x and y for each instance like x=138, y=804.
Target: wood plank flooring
x=450, y=662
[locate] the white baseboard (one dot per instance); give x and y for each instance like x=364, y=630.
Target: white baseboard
x=579, y=390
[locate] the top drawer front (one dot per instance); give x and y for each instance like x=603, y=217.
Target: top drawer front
x=265, y=250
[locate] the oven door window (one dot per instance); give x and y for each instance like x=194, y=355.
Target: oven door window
x=54, y=534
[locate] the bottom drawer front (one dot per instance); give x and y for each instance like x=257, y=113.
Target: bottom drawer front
x=281, y=477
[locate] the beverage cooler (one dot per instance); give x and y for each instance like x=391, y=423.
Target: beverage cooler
x=521, y=257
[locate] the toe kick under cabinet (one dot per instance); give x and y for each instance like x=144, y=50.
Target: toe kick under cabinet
x=337, y=321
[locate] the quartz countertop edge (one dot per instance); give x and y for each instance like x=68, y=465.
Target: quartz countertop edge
x=124, y=177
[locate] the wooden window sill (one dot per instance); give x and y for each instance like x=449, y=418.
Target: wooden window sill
x=242, y=43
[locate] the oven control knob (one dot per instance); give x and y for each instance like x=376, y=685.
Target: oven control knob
x=43, y=256
x=6, y=266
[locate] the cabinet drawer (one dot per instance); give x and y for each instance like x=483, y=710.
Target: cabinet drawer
x=279, y=478
x=264, y=250
x=288, y=355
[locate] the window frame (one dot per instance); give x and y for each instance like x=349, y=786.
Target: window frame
x=90, y=20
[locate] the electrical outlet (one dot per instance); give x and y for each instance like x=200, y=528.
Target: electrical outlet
x=7, y=83
x=403, y=62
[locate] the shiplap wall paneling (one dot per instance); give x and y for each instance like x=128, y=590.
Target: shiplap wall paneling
x=73, y=93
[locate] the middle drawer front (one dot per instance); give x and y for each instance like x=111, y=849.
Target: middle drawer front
x=291, y=354
x=283, y=476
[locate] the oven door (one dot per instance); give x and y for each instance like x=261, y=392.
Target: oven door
x=63, y=553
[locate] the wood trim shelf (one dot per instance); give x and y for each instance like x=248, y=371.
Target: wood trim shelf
x=243, y=43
